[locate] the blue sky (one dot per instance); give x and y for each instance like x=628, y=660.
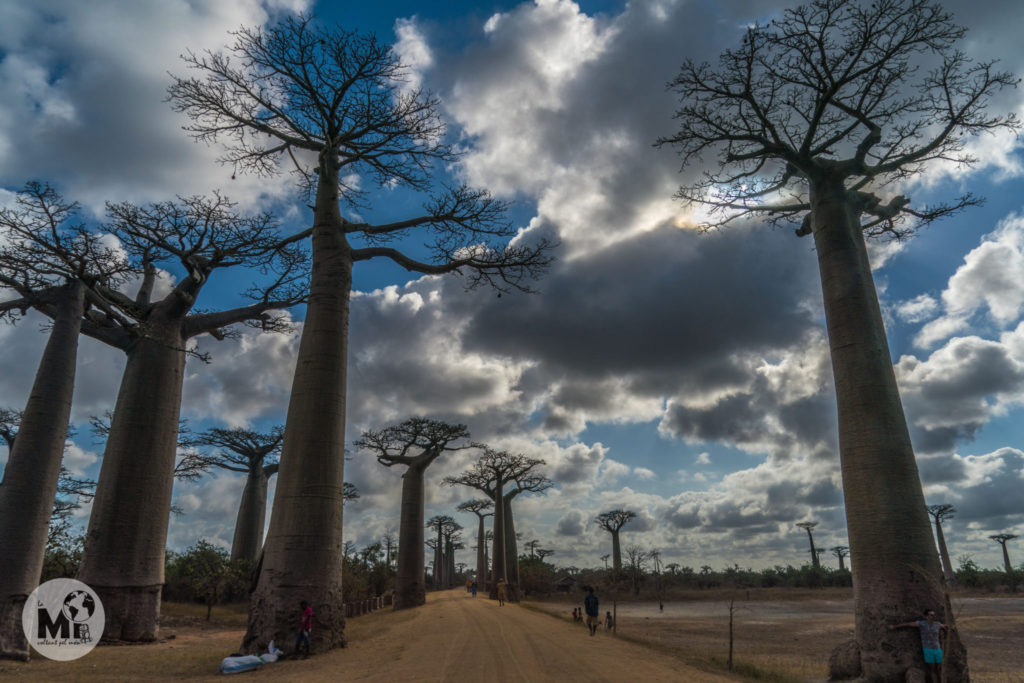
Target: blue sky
x=680, y=374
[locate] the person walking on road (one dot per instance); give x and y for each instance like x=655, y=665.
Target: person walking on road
x=590, y=604
x=501, y=592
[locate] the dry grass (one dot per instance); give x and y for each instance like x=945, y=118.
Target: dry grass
x=788, y=634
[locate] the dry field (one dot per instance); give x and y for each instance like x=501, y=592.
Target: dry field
x=787, y=634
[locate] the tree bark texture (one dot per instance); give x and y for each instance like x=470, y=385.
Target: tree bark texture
x=498, y=542
x=252, y=515
x=947, y=566
x=410, y=572
x=616, y=552
x=511, y=553
x=814, y=553
x=123, y=558
x=302, y=558
x=481, y=555
x=29, y=483
x=893, y=557
x=1006, y=563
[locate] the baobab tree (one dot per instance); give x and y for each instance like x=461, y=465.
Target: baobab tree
x=841, y=551
x=807, y=526
x=1001, y=539
x=51, y=263
x=940, y=513
x=253, y=454
x=438, y=524
x=501, y=476
x=196, y=239
x=544, y=552
x=335, y=105
x=390, y=541
x=479, y=507
x=415, y=443
x=613, y=521
x=812, y=118
x=526, y=481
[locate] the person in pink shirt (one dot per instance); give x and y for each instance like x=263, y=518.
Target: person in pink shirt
x=302, y=641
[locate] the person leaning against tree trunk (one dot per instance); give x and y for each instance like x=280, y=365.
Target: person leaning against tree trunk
x=930, y=629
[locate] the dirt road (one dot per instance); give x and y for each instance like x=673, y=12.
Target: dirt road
x=453, y=638
x=459, y=638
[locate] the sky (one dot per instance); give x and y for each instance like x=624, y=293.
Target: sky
x=680, y=374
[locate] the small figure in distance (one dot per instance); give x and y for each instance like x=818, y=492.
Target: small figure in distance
x=930, y=643
x=608, y=621
x=590, y=604
x=473, y=588
x=305, y=629
x=501, y=592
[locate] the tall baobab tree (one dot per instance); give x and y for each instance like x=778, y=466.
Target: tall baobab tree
x=501, y=476
x=254, y=454
x=526, y=481
x=1001, y=539
x=841, y=551
x=415, y=443
x=612, y=522
x=53, y=264
x=807, y=526
x=813, y=118
x=196, y=239
x=390, y=541
x=479, y=507
x=335, y=104
x=438, y=524
x=940, y=513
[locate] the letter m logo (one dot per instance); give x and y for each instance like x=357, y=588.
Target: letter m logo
x=46, y=624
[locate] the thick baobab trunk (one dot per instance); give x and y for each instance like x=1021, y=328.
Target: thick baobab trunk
x=1006, y=562
x=30, y=477
x=123, y=559
x=842, y=565
x=947, y=567
x=302, y=557
x=252, y=515
x=616, y=552
x=893, y=558
x=498, y=543
x=410, y=580
x=511, y=554
x=438, y=560
x=481, y=555
x=814, y=553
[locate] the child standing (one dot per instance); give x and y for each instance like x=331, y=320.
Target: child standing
x=305, y=629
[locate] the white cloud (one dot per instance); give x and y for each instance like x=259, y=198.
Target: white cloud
x=413, y=51
x=704, y=458
x=916, y=310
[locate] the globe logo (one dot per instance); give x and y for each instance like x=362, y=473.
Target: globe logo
x=78, y=606
x=63, y=619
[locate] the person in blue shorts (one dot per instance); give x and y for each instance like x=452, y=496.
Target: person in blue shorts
x=930, y=643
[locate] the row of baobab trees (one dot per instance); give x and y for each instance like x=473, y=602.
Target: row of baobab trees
x=939, y=513
x=810, y=119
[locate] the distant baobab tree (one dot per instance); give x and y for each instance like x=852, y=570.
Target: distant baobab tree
x=501, y=476
x=605, y=558
x=437, y=524
x=1001, y=539
x=813, y=118
x=415, y=443
x=479, y=507
x=253, y=454
x=52, y=263
x=841, y=551
x=544, y=552
x=612, y=521
x=333, y=104
x=940, y=513
x=807, y=526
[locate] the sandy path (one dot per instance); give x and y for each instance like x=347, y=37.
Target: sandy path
x=459, y=638
x=454, y=637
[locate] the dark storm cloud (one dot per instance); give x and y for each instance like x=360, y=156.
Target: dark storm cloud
x=571, y=524
x=671, y=300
